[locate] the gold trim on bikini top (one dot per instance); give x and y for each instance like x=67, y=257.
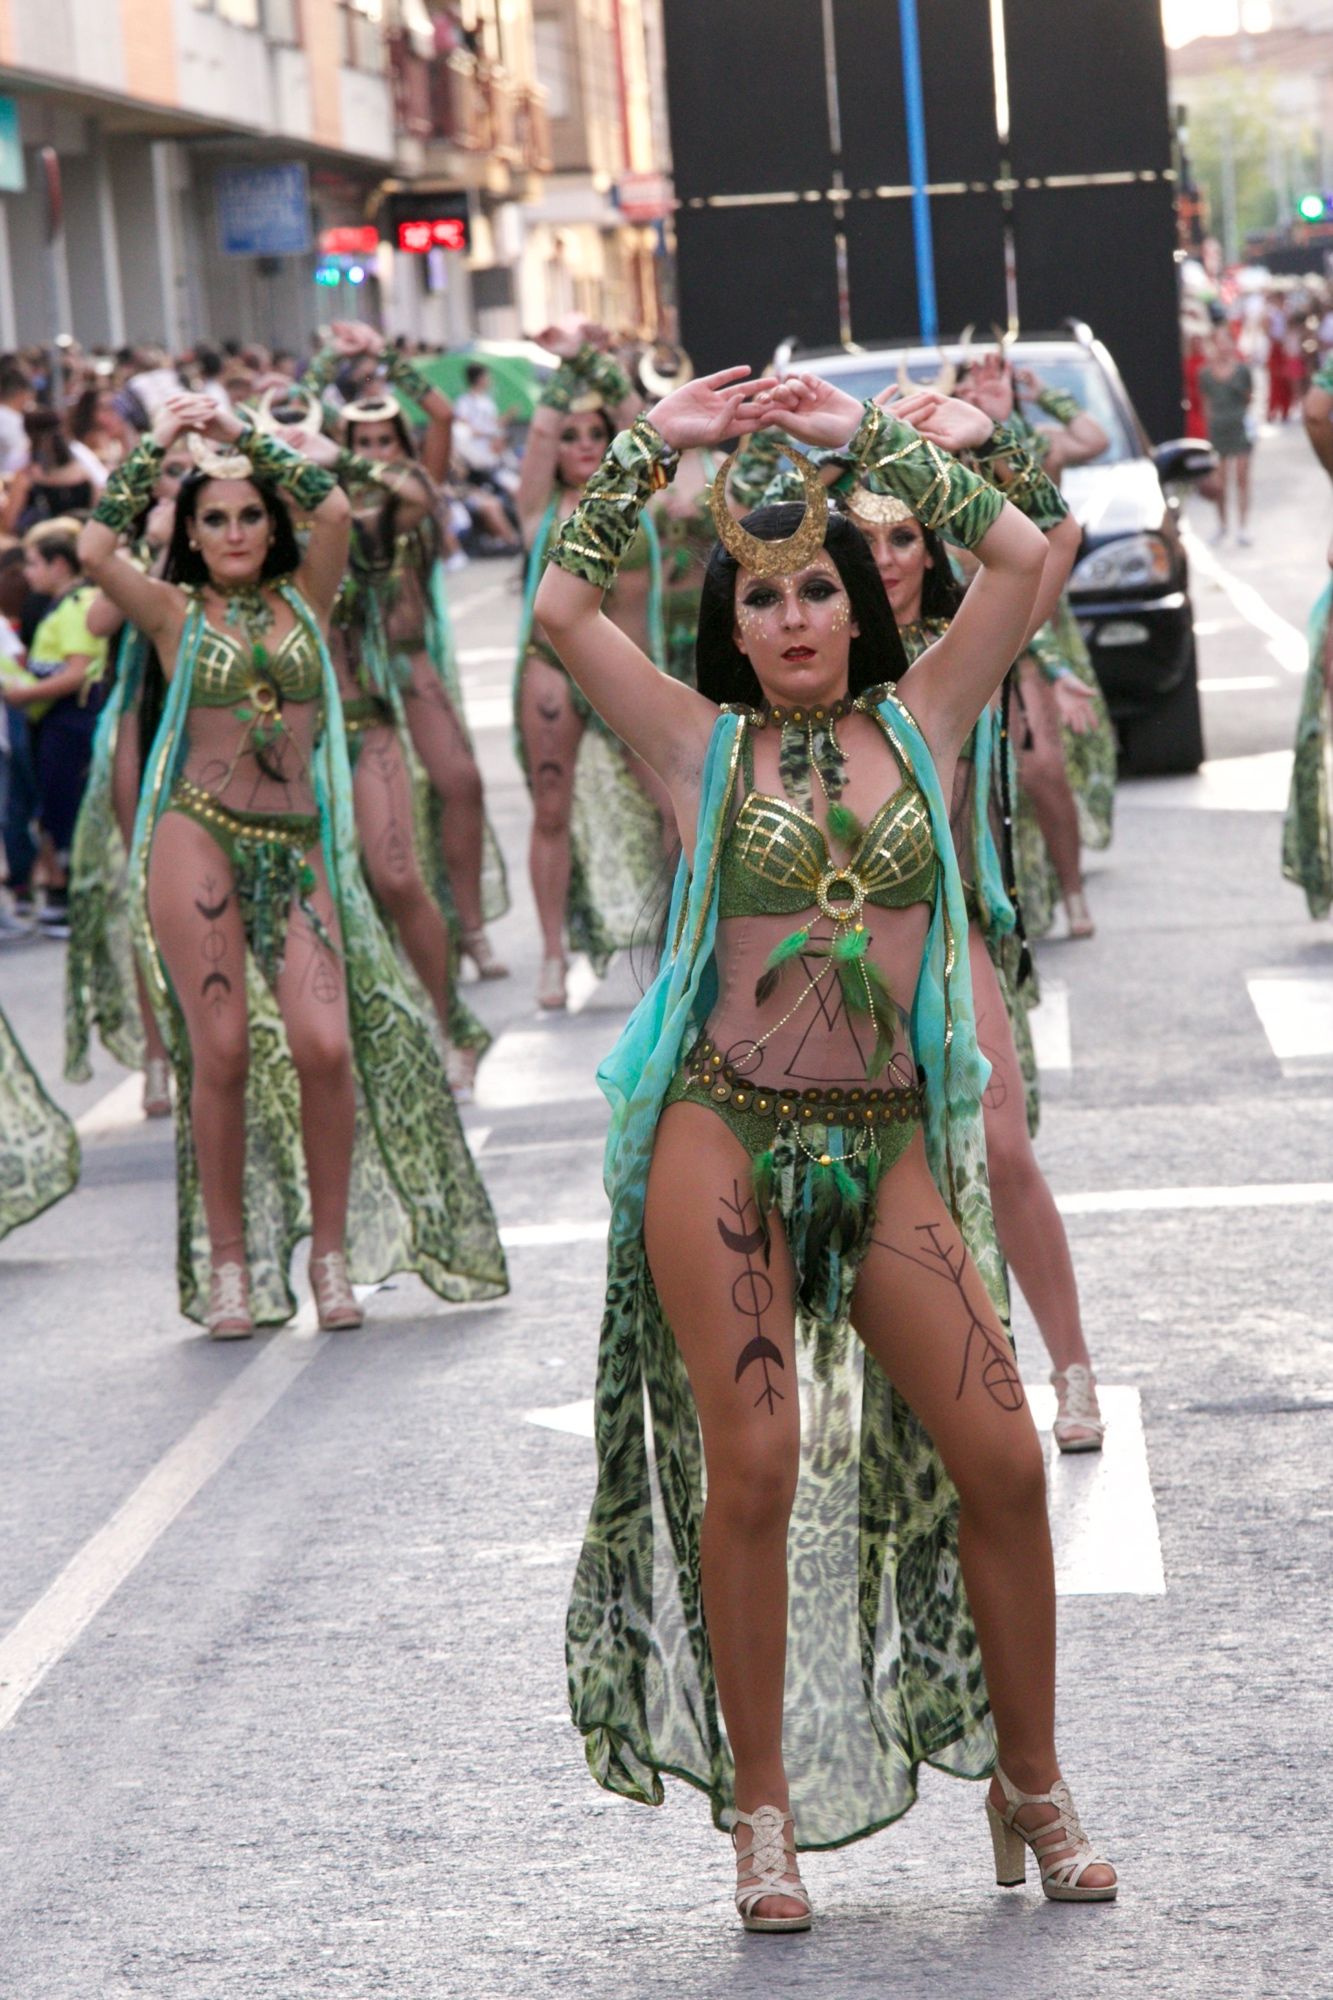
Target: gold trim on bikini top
x=226, y=672
x=783, y=848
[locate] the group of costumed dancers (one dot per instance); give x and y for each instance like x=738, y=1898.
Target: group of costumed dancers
x=831, y=678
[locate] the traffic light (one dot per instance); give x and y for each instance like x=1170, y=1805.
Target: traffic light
x=328, y=274
x=1315, y=207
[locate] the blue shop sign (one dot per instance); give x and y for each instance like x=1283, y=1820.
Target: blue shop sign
x=264, y=211
x=13, y=180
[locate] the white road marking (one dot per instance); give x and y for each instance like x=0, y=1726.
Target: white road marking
x=1103, y=1518
x=122, y=1106
x=1049, y=1025
x=476, y=1136
x=580, y=986
x=1258, y=783
x=1286, y=643
x=490, y=712
x=463, y=607
x=1296, y=1013
x=548, y=1235
x=521, y=1070
x=1238, y=684
x=92, y=1576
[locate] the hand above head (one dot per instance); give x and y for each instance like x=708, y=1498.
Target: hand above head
x=946, y=420
x=712, y=407
x=320, y=450
x=1028, y=383
x=566, y=336
x=809, y=409
x=990, y=387
x=182, y=413
x=354, y=336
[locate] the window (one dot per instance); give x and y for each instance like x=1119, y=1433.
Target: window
x=363, y=42
x=282, y=22
x=551, y=46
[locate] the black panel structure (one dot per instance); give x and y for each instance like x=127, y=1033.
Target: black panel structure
x=881, y=265
x=1087, y=87
x=958, y=88
x=749, y=277
x=1106, y=255
x=748, y=105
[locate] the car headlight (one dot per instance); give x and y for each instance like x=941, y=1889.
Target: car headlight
x=1136, y=562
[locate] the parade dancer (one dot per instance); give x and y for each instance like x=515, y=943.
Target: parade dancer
x=796, y=1159
x=1307, y=832
x=598, y=811
x=243, y=869
x=419, y=634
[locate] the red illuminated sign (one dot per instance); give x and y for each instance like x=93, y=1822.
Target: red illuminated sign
x=446, y=232
x=355, y=240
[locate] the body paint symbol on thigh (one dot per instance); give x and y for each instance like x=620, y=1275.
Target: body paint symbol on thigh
x=213, y=949
x=999, y=1376
x=752, y=1292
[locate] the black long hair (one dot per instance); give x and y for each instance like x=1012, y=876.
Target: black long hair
x=187, y=566
x=941, y=592
x=725, y=674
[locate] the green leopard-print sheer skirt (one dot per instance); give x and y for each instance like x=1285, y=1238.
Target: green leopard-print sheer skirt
x=39, y=1153
x=883, y=1667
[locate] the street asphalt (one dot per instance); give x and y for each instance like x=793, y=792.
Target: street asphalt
x=282, y=1704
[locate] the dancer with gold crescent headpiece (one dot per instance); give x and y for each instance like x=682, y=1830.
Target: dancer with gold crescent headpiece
x=832, y=1563
x=244, y=878
x=596, y=844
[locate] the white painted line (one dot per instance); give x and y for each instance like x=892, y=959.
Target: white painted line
x=1238, y=684
x=1140, y=1201
x=1049, y=1026
x=580, y=986
x=91, y=1577
x=476, y=1136
x=463, y=607
x=1296, y=1013
x=490, y=712
x=520, y=1070
x=122, y=1106
x=1103, y=1520
x=1286, y=644
x=1257, y=783
x=485, y=656
x=547, y=1235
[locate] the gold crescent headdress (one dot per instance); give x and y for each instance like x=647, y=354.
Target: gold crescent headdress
x=881, y=510
x=783, y=558
x=659, y=381
x=374, y=410
x=312, y=421
x=215, y=464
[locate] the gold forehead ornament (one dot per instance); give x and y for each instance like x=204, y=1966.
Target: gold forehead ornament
x=783, y=558
x=660, y=381
x=878, y=510
x=311, y=419
x=374, y=410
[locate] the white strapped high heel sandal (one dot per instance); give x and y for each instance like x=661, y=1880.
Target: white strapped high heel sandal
x=335, y=1301
x=229, y=1303
x=1062, y=1848
x=767, y=1867
x=1079, y=1424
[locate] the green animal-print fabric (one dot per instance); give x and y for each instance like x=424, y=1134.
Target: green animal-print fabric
x=39, y=1152
x=1307, y=851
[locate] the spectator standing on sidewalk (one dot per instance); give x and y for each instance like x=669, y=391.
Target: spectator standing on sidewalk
x=1227, y=387
x=16, y=399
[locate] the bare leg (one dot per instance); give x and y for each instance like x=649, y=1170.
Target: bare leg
x=552, y=732
x=1027, y=1221
x=124, y=803
x=312, y=997
x=1041, y=770
x=193, y=910
x=382, y=792
x=1242, y=464
x=699, y=1184
x=438, y=739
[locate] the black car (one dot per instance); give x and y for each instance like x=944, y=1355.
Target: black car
x=1130, y=585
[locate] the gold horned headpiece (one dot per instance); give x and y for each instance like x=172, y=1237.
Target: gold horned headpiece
x=783, y=558
x=877, y=510
x=215, y=464
x=311, y=420
x=380, y=409
x=676, y=370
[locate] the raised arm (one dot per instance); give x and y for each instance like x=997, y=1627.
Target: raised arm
x=1006, y=463
x=314, y=492
x=663, y=721
x=156, y=607
x=1079, y=438
x=584, y=370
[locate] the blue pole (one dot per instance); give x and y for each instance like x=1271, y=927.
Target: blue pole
x=914, y=103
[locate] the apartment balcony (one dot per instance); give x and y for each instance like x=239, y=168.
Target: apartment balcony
x=465, y=120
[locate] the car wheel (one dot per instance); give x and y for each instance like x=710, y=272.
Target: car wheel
x=1169, y=740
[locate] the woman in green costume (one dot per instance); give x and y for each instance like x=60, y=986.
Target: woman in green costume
x=419, y=635
x=1307, y=842
x=597, y=810
x=1066, y=742
x=103, y=986
x=39, y=1151
x=924, y=597
x=337, y=1121
x=683, y=516
x=796, y=1155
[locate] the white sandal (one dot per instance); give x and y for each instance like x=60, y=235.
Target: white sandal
x=767, y=1867
x=335, y=1301
x=157, y=1088
x=1062, y=1848
x=478, y=947
x=551, y=985
x=228, y=1315
x=1079, y=1424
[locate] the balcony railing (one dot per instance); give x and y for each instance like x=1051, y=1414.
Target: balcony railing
x=476, y=107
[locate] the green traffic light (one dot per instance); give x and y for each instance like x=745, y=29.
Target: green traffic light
x=1310, y=207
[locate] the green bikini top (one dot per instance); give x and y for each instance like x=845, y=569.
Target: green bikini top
x=225, y=673
x=776, y=860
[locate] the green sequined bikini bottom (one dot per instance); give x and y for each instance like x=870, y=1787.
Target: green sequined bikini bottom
x=363, y=712
x=817, y=1158
x=267, y=853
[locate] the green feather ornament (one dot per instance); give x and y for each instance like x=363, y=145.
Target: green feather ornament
x=844, y=825
x=790, y=947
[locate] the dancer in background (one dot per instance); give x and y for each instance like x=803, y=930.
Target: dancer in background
x=1307, y=834
x=39, y=1150
x=244, y=868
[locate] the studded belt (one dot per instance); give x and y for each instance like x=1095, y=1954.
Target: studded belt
x=707, y=1071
